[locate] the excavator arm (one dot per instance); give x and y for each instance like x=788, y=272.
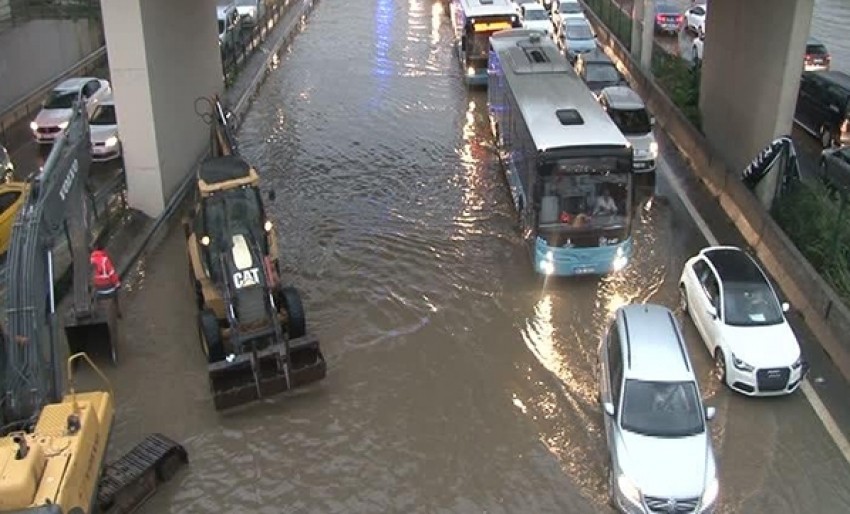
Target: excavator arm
x=33, y=354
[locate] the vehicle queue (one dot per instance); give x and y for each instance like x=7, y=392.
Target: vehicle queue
x=546, y=118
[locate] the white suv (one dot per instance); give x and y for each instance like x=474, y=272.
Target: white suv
x=661, y=455
x=629, y=113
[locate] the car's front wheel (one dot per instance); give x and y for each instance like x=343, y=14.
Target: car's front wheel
x=720, y=365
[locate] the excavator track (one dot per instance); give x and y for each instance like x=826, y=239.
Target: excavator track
x=132, y=479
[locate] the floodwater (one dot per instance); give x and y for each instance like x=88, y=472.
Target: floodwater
x=457, y=382
x=829, y=24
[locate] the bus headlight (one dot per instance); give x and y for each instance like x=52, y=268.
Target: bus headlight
x=547, y=266
x=620, y=260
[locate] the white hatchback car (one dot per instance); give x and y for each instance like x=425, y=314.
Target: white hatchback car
x=103, y=128
x=695, y=18
x=56, y=109
x=534, y=17
x=742, y=322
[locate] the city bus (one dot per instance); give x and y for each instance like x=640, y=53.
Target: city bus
x=473, y=21
x=568, y=166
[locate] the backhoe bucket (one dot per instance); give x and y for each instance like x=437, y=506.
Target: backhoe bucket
x=96, y=334
x=250, y=376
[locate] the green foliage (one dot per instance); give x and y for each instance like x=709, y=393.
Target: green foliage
x=618, y=22
x=812, y=218
x=680, y=80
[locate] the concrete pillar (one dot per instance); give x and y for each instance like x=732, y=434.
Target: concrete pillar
x=163, y=54
x=643, y=32
x=753, y=59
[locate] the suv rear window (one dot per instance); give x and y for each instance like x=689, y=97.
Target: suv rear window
x=816, y=50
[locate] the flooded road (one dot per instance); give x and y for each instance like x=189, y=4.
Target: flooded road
x=457, y=382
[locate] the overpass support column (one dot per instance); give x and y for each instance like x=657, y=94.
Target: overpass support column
x=163, y=54
x=753, y=59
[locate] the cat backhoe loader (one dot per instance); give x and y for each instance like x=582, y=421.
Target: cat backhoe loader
x=53, y=440
x=252, y=329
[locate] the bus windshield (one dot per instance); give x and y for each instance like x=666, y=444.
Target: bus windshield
x=579, y=197
x=477, y=35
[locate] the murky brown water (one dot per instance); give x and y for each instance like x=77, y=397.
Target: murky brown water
x=456, y=382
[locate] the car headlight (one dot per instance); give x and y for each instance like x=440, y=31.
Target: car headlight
x=628, y=489
x=741, y=365
x=798, y=363
x=653, y=149
x=10, y=166
x=63, y=125
x=111, y=141
x=34, y=126
x=709, y=494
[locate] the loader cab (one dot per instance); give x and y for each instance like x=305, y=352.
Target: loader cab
x=230, y=211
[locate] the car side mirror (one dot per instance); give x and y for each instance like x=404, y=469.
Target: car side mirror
x=712, y=311
x=786, y=306
x=609, y=408
x=710, y=412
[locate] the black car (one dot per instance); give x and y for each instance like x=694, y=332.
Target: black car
x=823, y=106
x=668, y=18
x=598, y=71
x=817, y=56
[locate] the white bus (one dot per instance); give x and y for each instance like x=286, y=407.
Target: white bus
x=568, y=166
x=473, y=22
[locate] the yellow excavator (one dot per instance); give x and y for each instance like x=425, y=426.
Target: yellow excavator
x=53, y=440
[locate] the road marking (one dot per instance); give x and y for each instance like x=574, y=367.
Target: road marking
x=808, y=391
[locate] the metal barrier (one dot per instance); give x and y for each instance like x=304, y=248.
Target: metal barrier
x=233, y=57
x=26, y=107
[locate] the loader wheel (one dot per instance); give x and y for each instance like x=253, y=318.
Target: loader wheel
x=291, y=301
x=210, y=336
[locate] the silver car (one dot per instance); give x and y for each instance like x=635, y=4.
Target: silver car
x=576, y=36
x=661, y=455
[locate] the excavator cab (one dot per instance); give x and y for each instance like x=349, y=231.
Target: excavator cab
x=252, y=329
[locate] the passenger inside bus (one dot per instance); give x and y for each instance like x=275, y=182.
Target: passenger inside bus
x=580, y=201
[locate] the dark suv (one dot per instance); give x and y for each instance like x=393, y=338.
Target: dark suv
x=598, y=71
x=822, y=106
x=817, y=56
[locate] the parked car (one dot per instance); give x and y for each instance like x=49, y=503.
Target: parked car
x=668, y=18
x=629, y=113
x=661, y=458
x=697, y=48
x=56, y=110
x=250, y=11
x=6, y=166
x=534, y=17
x=103, y=128
x=565, y=10
x=835, y=168
x=817, y=56
x=742, y=322
x=598, y=71
x=229, y=26
x=823, y=106
x=695, y=19
x=576, y=37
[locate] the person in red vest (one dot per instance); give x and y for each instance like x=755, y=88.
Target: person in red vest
x=105, y=278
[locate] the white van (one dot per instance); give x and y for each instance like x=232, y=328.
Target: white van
x=250, y=10
x=229, y=24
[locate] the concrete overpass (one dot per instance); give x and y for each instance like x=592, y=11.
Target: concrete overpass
x=752, y=61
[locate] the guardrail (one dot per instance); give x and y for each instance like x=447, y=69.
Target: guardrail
x=236, y=54
x=824, y=312
x=26, y=107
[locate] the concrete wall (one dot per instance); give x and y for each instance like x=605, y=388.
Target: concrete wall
x=824, y=312
x=163, y=55
x=35, y=52
x=751, y=72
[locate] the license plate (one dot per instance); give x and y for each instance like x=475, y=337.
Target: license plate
x=641, y=165
x=583, y=270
